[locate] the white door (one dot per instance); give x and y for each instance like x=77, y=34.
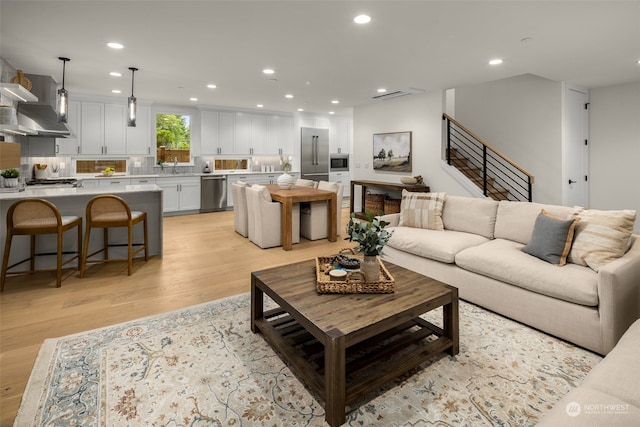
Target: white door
x=576, y=148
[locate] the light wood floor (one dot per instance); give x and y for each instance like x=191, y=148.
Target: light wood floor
x=204, y=260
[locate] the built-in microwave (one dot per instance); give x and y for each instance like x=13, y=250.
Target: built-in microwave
x=338, y=162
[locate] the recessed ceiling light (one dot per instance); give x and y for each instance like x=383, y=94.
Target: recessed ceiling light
x=288, y=96
x=331, y=112
x=115, y=74
x=638, y=61
x=259, y=105
x=300, y=109
x=211, y=86
x=335, y=101
x=114, y=45
x=193, y=99
x=362, y=19
x=116, y=91
x=382, y=90
x=268, y=71
x=496, y=61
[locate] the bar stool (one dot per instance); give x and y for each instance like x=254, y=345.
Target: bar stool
x=32, y=217
x=110, y=211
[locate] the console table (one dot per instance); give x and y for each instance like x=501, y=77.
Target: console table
x=420, y=188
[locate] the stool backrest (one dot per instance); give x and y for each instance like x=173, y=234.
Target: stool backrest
x=33, y=213
x=108, y=205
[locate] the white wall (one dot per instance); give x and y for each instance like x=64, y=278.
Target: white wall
x=422, y=115
x=615, y=148
x=521, y=117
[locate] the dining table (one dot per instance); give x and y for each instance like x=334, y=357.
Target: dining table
x=298, y=194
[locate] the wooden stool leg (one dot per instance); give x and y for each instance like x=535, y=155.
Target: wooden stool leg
x=5, y=260
x=80, y=244
x=32, y=260
x=146, y=244
x=85, y=251
x=105, y=239
x=59, y=259
x=130, y=248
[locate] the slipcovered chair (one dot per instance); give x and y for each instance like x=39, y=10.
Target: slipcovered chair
x=240, y=214
x=313, y=216
x=265, y=221
x=32, y=217
x=306, y=183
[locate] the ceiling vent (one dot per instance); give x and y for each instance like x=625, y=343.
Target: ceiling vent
x=397, y=93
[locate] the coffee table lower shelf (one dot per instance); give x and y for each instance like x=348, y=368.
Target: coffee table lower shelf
x=368, y=365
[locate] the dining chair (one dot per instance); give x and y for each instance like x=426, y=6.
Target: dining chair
x=240, y=214
x=110, y=211
x=265, y=220
x=32, y=217
x=313, y=215
x=306, y=183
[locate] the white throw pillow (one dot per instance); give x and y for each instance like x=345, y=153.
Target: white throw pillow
x=421, y=210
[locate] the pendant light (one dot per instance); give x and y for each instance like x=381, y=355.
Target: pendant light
x=131, y=119
x=63, y=95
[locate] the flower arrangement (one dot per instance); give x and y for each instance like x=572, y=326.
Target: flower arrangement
x=370, y=235
x=286, y=163
x=10, y=173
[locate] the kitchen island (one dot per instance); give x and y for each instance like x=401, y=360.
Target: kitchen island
x=73, y=201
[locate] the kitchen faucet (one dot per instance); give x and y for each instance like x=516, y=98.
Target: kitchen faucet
x=175, y=165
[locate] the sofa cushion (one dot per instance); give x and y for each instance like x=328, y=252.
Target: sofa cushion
x=601, y=236
x=515, y=220
x=551, y=238
x=504, y=260
x=436, y=245
x=421, y=210
x=470, y=214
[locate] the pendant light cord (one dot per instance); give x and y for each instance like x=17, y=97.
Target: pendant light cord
x=64, y=66
x=133, y=70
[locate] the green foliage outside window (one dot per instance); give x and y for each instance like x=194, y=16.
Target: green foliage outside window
x=173, y=131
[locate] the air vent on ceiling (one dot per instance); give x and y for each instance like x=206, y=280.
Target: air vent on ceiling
x=397, y=93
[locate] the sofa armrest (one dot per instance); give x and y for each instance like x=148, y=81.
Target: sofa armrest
x=619, y=294
x=393, y=219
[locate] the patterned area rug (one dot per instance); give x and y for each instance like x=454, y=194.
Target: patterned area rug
x=203, y=366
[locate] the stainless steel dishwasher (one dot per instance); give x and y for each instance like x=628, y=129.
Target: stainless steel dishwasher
x=213, y=193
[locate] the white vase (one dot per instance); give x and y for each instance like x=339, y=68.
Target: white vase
x=370, y=268
x=285, y=181
x=11, y=182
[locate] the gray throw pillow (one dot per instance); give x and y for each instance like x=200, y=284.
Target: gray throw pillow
x=551, y=238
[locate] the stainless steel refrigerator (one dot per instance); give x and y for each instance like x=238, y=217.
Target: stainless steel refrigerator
x=314, y=154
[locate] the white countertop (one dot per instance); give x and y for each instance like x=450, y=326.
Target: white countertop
x=47, y=192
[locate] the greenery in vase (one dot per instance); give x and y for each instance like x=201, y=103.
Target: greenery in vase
x=10, y=173
x=286, y=163
x=370, y=235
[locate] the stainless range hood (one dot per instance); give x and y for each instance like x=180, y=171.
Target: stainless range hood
x=40, y=117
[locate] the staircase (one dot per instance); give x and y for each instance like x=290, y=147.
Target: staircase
x=492, y=172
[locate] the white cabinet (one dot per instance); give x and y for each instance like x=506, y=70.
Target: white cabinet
x=142, y=181
x=113, y=182
x=115, y=127
x=227, y=132
x=258, y=134
x=342, y=178
x=243, y=134
x=279, y=135
x=139, y=137
x=340, y=135
x=71, y=145
x=102, y=128
x=318, y=122
x=90, y=183
x=180, y=193
x=217, y=132
x=92, y=128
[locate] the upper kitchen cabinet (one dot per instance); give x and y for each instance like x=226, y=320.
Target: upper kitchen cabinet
x=139, y=137
x=310, y=121
x=243, y=134
x=102, y=129
x=258, y=134
x=279, y=135
x=340, y=135
x=217, y=132
x=71, y=145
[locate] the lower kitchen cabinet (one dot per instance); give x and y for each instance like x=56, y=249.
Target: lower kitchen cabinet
x=180, y=194
x=342, y=178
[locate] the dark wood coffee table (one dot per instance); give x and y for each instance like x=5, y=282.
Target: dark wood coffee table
x=344, y=345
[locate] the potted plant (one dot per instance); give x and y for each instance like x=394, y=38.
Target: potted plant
x=10, y=177
x=371, y=238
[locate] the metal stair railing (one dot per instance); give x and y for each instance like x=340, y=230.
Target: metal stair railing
x=500, y=177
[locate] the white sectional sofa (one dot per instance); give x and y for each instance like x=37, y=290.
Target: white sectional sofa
x=479, y=251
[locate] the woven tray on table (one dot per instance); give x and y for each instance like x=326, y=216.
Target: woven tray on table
x=355, y=281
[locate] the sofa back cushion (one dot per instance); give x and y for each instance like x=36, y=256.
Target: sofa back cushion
x=421, y=210
x=470, y=214
x=515, y=220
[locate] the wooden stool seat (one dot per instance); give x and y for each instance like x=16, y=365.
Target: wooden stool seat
x=33, y=217
x=110, y=211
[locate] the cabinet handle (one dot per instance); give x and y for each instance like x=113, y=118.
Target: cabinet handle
x=142, y=180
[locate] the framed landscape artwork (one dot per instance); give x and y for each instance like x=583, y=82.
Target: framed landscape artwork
x=392, y=152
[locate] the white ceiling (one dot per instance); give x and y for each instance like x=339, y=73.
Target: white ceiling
x=318, y=53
